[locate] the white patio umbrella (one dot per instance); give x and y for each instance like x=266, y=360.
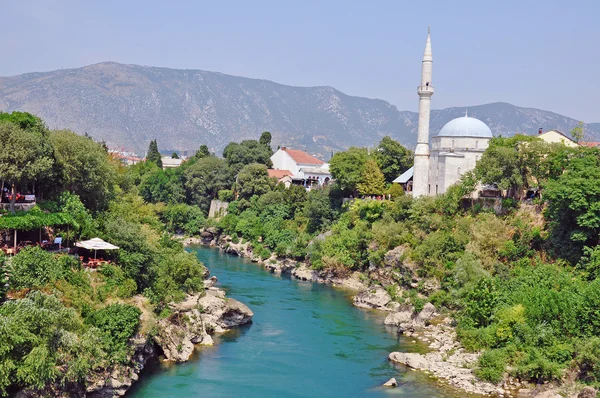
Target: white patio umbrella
x=95, y=245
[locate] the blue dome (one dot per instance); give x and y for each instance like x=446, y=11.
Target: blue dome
x=465, y=127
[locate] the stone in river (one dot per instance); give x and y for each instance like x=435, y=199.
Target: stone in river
x=391, y=383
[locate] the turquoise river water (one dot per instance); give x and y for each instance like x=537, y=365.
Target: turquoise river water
x=306, y=340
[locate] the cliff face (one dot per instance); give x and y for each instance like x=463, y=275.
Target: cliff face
x=128, y=105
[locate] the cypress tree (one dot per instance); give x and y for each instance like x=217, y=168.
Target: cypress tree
x=153, y=154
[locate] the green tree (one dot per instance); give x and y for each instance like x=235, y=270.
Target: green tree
x=245, y=153
x=265, y=140
x=318, y=209
x=205, y=178
x=503, y=163
x=117, y=324
x=574, y=205
x=577, y=132
x=153, y=154
x=202, y=152
x=392, y=158
x=373, y=181
x=158, y=185
x=25, y=156
x=252, y=180
x=86, y=168
x=42, y=343
x=347, y=167
x=174, y=155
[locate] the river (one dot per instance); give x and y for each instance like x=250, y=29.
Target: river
x=305, y=340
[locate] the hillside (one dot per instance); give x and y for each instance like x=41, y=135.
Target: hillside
x=128, y=105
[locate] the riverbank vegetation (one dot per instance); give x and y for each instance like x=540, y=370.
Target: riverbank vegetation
x=59, y=323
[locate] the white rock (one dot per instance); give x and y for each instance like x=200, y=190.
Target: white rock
x=391, y=383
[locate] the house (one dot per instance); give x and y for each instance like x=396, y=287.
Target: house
x=305, y=169
x=283, y=176
x=556, y=137
x=590, y=144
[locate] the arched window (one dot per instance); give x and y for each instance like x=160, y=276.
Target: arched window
x=458, y=171
x=477, y=144
x=452, y=144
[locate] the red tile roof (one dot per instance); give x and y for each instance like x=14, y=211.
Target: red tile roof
x=592, y=144
x=303, y=157
x=279, y=174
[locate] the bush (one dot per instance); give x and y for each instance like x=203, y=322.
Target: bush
x=176, y=274
x=588, y=360
x=34, y=267
x=535, y=366
x=117, y=324
x=491, y=365
x=480, y=303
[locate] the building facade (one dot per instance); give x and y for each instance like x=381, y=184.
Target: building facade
x=454, y=149
x=305, y=169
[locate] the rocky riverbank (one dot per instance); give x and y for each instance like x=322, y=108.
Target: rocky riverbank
x=190, y=323
x=447, y=361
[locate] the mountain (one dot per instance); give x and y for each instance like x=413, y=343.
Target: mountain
x=128, y=105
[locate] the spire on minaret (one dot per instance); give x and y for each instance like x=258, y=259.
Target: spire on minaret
x=421, y=183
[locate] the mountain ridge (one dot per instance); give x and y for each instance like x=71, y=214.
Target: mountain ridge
x=128, y=105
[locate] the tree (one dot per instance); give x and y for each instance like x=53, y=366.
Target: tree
x=265, y=139
x=347, y=167
x=205, y=178
x=503, y=163
x=577, y=132
x=318, y=209
x=245, y=153
x=202, y=152
x=574, y=205
x=158, y=185
x=373, y=181
x=174, y=155
x=153, y=154
x=85, y=167
x=254, y=179
x=25, y=156
x=392, y=158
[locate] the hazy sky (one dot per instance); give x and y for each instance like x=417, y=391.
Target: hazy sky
x=543, y=54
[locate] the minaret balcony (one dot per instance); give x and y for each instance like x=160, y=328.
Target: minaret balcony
x=426, y=90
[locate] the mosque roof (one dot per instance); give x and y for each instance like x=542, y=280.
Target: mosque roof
x=465, y=126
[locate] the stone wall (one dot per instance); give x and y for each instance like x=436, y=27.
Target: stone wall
x=217, y=208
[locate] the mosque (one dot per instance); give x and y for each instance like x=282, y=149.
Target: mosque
x=454, y=150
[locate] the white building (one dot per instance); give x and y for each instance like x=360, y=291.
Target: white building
x=169, y=163
x=305, y=169
x=454, y=149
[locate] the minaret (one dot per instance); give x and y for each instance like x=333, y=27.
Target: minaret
x=425, y=91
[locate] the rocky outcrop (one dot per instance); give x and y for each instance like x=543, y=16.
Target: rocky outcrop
x=396, y=260
x=116, y=381
x=408, y=320
x=195, y=318
x=375, y=297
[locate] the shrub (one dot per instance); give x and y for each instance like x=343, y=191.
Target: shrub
x=34, y=267
x=535, y=366
x=588, y=359
x=117, y=324
x=480, y=302
x=491, y=365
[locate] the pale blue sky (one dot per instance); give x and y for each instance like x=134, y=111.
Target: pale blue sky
x=543, y=54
